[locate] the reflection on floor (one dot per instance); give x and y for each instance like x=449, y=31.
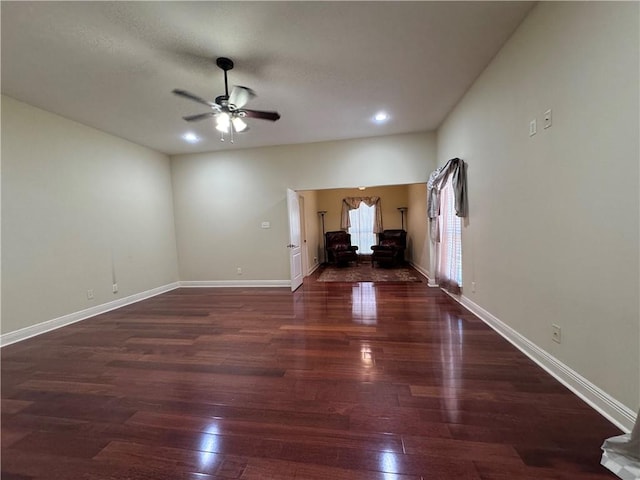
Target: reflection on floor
x=364, y=307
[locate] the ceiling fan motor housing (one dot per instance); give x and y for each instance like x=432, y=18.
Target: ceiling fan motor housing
x=222, y=100
x=224, y=63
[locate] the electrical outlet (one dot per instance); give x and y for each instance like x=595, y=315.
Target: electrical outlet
x=90, y=294
x=533, y=127
x=556, y=333
x=473, y=287
x=239, y=271
x=115, y=288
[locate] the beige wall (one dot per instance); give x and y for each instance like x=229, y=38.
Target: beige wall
x=552, y=236
x=391, y=197
x=78, y=206
x=418, y=246
x=221, y=198
x=413, y=196
x=311, y=229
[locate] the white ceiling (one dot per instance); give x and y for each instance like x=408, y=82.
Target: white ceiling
x=327, y=67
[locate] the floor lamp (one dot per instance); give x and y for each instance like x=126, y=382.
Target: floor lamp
x=402, y=210
x=324, y=238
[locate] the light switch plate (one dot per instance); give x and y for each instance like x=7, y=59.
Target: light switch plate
x=547, y=119
x=556, y=333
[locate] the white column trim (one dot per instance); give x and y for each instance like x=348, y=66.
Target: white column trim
x=424, y=273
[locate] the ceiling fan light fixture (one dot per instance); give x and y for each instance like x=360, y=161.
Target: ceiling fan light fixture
x=238, y=124
x=227, y=110
x=223, y=122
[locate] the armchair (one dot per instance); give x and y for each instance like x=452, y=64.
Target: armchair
x=339, y=248
x=390, y=248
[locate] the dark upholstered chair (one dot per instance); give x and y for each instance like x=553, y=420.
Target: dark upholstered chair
x=339, y=248
x=390, y=248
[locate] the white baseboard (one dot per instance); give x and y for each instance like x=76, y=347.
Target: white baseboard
x=235, y=283
x=314, y=268
x=46, y=326
x=617, y=413
x=424, y=273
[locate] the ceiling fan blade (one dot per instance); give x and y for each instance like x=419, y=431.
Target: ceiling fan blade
x=200, y=116
x=273, y=116
x=195, y=98
x=240, y=96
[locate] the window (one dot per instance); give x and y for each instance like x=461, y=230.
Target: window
x=361, y=229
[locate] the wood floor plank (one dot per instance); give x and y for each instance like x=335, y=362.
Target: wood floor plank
x=13, y=406
x=282, y=433
x=60, y=444
x=333, y=381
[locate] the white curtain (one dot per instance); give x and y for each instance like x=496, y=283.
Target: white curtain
x=455, y=169
x=349, y=203
x=449, y=256
x=447, y=204
x=362, y=220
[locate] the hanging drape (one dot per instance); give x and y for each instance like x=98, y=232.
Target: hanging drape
x=349, y=203
x=446, y=204
x=457, y=169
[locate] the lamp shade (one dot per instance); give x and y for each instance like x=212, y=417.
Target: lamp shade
x=238, y=124
x=222, y=122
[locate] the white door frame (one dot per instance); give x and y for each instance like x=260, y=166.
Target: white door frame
x=295, y=239
x=303, y=231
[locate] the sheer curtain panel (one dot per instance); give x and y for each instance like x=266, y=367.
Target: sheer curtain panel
x=449, y=263
x=362, y=220
x=446, y=204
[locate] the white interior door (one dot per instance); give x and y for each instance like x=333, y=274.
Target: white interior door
x=295, y=249
x=303, y=238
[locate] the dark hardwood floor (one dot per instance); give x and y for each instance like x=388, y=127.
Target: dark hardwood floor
x=335, y=381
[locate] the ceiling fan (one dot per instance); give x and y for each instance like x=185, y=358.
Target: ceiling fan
x=227, y=110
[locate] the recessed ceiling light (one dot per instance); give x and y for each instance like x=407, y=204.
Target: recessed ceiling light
x=191, y=137
x=381, y=117
x=362, y=188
